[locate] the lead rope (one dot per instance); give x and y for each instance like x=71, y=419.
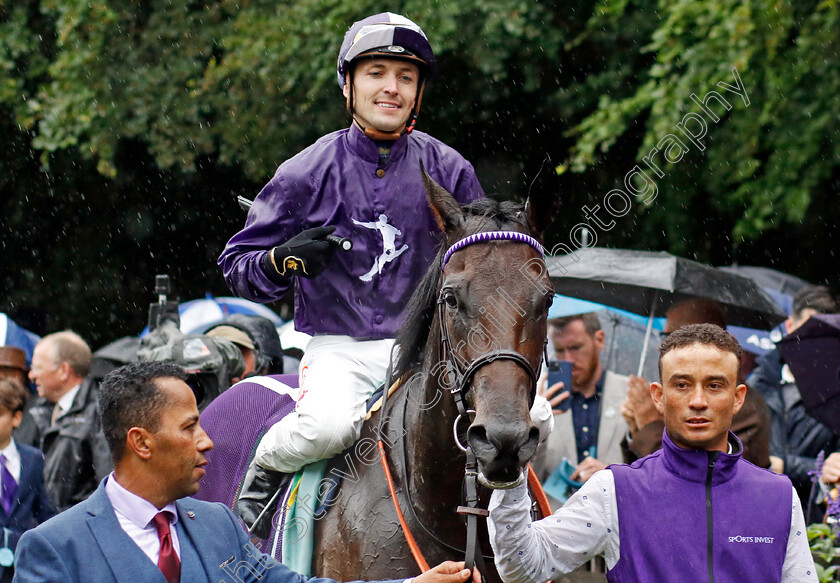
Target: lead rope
x=412, y=544
x=472, y=554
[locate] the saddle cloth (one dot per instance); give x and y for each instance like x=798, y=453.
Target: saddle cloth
x=236, y=422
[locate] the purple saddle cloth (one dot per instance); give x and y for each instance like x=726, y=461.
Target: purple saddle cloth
x=236, y=421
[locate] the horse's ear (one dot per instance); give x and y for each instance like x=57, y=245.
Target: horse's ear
x=446, y=209
x=540, y=209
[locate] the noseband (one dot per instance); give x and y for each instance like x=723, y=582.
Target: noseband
x=458, y=380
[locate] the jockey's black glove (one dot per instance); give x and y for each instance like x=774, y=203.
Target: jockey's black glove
x=306, y=254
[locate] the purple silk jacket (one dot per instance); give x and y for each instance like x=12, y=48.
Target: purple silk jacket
x=336, y=181
x=686, y=516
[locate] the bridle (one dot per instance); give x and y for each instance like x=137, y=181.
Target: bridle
x=459, y=383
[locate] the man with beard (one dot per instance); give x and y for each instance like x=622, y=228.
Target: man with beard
x=589, y=434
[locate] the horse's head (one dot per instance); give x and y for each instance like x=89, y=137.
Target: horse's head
x=493, y=299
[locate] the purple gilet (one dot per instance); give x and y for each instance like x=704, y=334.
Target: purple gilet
x=336, y=181
x=692, y=515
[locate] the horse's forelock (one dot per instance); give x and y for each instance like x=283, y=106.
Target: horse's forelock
x=481, y=215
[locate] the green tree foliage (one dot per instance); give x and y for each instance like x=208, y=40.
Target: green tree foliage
x=127, y=127
x=762, y=162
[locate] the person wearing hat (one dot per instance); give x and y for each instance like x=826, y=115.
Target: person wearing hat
x=364, y=183
x=243, y=342
x=13, y=364
x=257, y=340
x=13, y=367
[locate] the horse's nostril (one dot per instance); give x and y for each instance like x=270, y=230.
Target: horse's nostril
x=529, y=448
x=481, y=445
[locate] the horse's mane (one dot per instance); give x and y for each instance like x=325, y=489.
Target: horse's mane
x=481, y=215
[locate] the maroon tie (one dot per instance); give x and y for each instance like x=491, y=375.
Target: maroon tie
x=168, y=562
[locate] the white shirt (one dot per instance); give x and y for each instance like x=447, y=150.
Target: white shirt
x=586, y=526
x=66, y=401
x=12, y=459
x=135, y=516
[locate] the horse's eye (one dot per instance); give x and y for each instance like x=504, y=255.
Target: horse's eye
x=451, y=300
x=549, y=300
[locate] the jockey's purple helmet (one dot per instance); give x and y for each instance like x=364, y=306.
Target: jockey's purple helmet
x=386, y=35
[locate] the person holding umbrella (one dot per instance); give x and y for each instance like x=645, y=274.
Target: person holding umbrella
x=796, y=437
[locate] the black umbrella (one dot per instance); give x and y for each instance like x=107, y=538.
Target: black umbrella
x=770, y=278
x=813, y=353
x=648, y=283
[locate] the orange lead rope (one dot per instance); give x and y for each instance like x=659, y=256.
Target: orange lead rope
x=538, y=493
x=412, y=544
x=533, y=484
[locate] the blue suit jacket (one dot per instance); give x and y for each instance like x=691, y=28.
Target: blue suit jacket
x=31, y=506
x=86, y=544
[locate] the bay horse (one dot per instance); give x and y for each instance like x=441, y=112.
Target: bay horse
x=475, y=329
x=484, y=301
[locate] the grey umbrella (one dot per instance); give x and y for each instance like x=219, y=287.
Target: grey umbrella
x=648, y=283
x=624, y=339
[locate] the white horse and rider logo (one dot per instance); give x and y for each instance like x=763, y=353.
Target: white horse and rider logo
x=389, y=245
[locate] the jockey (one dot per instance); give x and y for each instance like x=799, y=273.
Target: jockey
x=363, y=183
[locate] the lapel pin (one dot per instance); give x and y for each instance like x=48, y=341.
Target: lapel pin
x=191, y=514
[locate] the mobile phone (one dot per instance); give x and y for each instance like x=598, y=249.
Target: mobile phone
x=560, y=371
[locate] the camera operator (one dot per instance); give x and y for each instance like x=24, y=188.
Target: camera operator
x=211, y=364
x=257, y=339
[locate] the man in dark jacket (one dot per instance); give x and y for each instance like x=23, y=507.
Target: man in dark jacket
x=796, y=438
x=76, y=455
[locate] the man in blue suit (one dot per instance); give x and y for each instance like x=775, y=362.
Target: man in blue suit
x=140, y=525
x=24, y=502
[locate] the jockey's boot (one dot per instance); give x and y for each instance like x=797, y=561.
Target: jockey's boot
x=261, y=490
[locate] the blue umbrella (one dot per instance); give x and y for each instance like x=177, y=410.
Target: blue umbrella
x=781, y=287
x=13, y=335
x=568, y=306
x=199, y=315
x=757, y=341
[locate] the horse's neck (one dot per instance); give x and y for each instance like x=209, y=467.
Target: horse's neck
x=435, y=464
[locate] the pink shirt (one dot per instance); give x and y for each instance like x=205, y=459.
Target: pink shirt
x=135, y=516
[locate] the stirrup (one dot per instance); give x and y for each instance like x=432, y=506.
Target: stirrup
x=258, y=498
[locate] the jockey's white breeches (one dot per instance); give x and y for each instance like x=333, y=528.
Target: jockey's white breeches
x=338, y=374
